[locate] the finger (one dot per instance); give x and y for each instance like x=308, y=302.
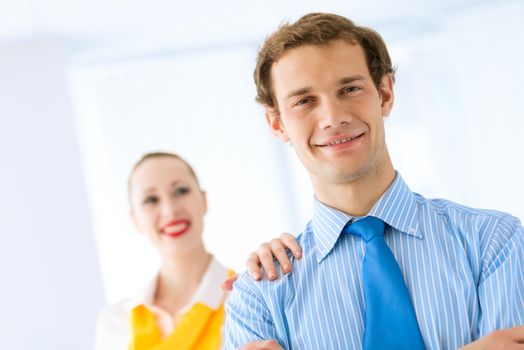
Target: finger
x=516, y=334
x=227, y=285
x=291, y=243
x=253, y=266
x=272, y=345
x=261, y=345
x=266, y=259
x=278, y=250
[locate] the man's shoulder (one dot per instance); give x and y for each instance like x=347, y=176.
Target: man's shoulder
x=305, y=238
x=461, y=212
x=484, y=230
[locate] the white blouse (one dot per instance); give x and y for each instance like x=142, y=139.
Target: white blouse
x=113, y=329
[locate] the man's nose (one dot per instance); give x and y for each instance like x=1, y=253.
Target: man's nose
x=333, y=114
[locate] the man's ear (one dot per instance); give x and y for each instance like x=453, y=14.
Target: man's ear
x=386, y=94
x=275, y=124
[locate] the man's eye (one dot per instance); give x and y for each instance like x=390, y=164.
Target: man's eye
x=350, y=89
x=303, y=101
x=180, y=191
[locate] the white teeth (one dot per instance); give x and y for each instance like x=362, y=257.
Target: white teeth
x=338, y=142
x=174, y=228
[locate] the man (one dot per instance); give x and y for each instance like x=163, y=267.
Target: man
x=455, y=275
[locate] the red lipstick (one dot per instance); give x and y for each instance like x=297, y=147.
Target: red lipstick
x=176, y=228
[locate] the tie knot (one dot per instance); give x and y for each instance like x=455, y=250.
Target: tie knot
x=366, y=228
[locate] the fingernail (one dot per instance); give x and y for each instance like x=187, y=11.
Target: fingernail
x=256, y=275
x=298, y=253
x=286, y=268
x=271, y=275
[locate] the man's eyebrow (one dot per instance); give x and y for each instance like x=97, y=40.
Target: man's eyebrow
x=298, y=92
x=348, y=80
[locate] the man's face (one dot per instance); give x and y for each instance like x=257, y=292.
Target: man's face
x=331, y=112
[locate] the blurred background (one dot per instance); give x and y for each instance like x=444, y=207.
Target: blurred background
x=87, y=87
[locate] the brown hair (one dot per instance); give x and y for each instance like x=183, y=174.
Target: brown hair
x=318, y=29
x=158, y=155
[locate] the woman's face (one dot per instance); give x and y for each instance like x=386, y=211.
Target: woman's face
x=167, y=205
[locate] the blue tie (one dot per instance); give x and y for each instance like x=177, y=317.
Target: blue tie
x=390, y=318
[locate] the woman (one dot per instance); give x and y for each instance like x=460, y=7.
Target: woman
x=183, y=308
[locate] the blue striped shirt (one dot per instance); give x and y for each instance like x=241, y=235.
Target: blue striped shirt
x=464, y=269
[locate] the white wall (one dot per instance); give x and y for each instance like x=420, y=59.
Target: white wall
x=197, y=104
x=50, y=281
x=455, y=132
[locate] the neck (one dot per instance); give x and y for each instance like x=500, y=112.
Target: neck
x=356, y=197
x=179, y=278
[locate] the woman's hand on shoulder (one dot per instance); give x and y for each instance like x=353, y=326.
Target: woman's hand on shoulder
x=265, y=257
x=268, y=252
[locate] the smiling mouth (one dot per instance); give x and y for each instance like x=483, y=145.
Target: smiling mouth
x=341, y=141
x=176, y=228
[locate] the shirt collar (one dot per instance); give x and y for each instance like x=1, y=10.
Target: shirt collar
x=397, y=207
x=209, y=291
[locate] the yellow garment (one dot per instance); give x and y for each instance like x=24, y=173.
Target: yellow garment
x=199, y=328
